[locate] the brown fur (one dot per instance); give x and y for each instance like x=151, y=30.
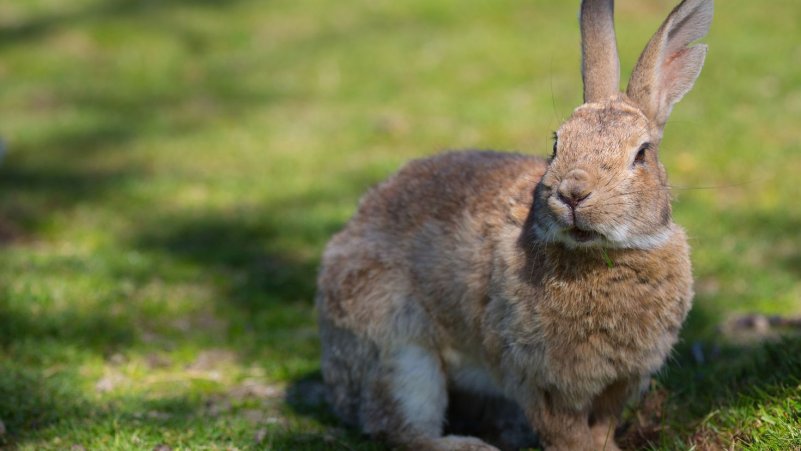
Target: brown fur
x=560, y=284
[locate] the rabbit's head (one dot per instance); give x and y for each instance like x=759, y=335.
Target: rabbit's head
x=605, y=185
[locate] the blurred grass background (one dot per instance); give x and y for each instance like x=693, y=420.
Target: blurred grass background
x=174, y=168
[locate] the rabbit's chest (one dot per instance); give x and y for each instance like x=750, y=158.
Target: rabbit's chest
x=620, y=325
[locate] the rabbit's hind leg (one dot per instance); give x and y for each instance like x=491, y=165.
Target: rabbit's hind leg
x=346, y=363
x=406, y=402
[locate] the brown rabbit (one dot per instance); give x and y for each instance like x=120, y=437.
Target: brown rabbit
x=560, y=284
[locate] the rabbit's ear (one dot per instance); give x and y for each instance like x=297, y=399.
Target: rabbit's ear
x=600, y=66
x=668, y=66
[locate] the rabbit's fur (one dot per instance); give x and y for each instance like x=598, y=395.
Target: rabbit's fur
x=560, y=284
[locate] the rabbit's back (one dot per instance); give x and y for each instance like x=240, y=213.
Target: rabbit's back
x=445, y=187
x=425, y=236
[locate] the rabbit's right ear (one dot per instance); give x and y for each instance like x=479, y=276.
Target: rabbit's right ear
x=668, y=66
x=600, y=66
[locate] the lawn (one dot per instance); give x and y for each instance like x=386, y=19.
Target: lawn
x=173, y=169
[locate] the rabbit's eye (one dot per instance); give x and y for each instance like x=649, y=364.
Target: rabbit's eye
x=640, y=157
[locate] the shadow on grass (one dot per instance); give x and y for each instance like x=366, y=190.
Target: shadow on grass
x=262, y=264
x=97, y=12
x=97, y=331
x=63, y=168
x=264, y=255
x=32, y=197
x=30, y=399
x=232, y=248
x=70, y=162
x=306, y=395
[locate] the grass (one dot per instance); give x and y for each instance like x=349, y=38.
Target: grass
x=173, y=170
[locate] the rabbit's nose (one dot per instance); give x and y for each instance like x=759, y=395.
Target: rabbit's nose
x=575, y=187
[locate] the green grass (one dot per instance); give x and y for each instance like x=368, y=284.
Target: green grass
x=174, y=169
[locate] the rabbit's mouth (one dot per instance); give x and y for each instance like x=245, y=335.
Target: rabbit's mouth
x=583, y=236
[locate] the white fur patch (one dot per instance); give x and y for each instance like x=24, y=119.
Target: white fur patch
x=616, y=237
x=419, y=387
x=621, y=238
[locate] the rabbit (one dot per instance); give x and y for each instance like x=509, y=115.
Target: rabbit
x=560, y=284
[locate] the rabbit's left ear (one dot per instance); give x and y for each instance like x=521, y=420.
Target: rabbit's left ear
x=668, y=67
